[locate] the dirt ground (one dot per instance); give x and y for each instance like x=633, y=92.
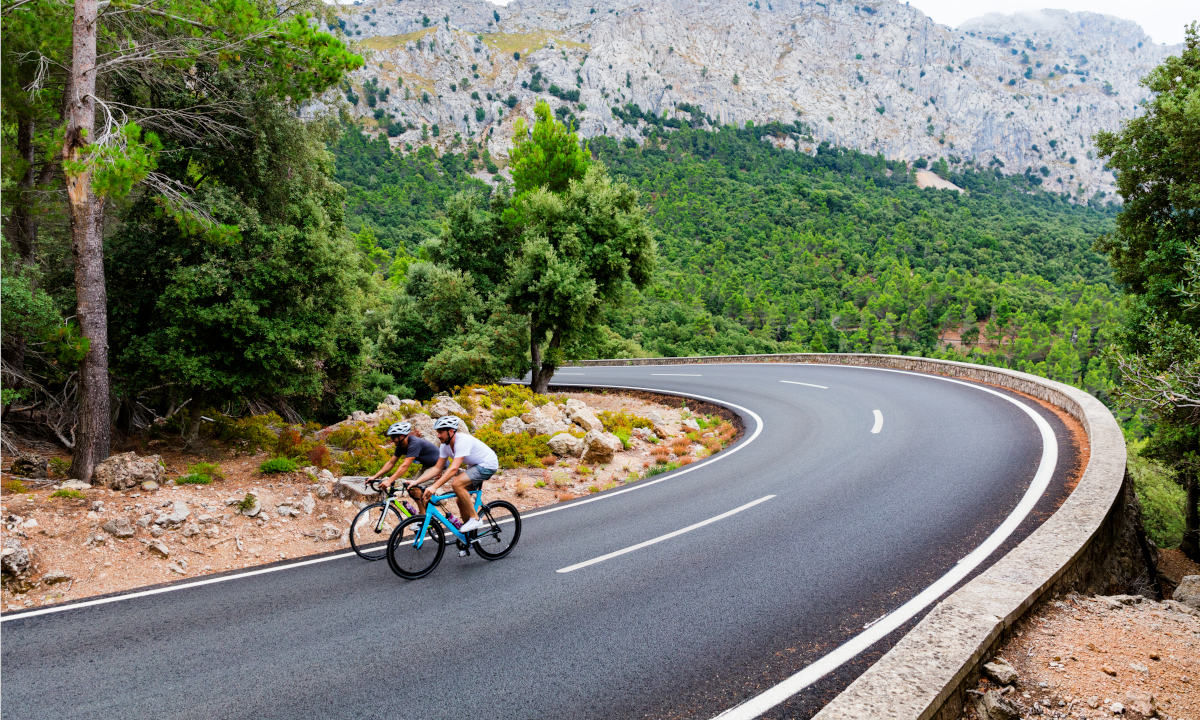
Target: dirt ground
x=1104, y=657
x=75, y=558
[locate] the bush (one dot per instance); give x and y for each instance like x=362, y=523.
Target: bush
x=1163, y=500
x=194, y=479
x=251, y=433
x=13, y=486
x=278, y=465
x=67, y=493
x=320, y=456
x=623, y=421
x=60, y=467
x=289, y=441
x=212, y=470
x=519, y=450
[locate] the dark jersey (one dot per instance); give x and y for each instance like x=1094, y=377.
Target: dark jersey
x=421, y=450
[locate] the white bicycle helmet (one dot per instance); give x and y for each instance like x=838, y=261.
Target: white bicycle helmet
x=447, y=422
x=400, y=428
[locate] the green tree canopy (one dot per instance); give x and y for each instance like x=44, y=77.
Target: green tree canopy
x=1155, y=254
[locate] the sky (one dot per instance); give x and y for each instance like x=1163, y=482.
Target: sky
x=1163, y=20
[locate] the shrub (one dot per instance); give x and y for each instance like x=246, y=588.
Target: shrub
x=519, y=450
x=660, y=453
x=246, y=503
x=59, y=467
x=13, y=486
x=686, y=461
x=623, y=436
x=251, y=433
x=67, y=493
x=622, y=421
x=194, y=479
x=1163, y=500
x=288, y=442
x=680, y=445
x=660, y=469
x=212, y=470
x=549, y=460
x=278, y=465
x=540, y=484
x=321, y=456
x=593, y=489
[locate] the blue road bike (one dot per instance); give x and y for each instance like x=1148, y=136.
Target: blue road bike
x=418, y=543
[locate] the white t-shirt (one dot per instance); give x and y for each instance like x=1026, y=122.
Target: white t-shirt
x=472, y=451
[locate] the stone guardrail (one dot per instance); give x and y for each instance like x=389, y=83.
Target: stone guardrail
x=926, y=673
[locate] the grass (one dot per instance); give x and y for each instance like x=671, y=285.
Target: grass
x=392, y=42
x=67, y=493
x=60, y=467
x=194, y=479
x=661, y=468
x=13, y=486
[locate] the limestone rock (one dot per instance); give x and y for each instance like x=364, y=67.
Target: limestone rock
x=127, y=470
x=1188, y=591
x=1001, y=671
x=30, y=466
x=599, y=447
x=74, y=485
x=119, y=527
x=308, y=504
x=660, y=426
x=586, y=419
x=1142, y=702
x=423, y=425
x=995, y=707
x=565, y=444
x=447, y=406
x=178, y=513
x=353, y=488
x=512, y=426
x=15, y=559
x=287, y=510
x=54, y=577
x=691, y=424
x=329, y=532
x=158, y=548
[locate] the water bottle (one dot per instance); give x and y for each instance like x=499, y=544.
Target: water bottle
x=411, y=510
x=456, y=521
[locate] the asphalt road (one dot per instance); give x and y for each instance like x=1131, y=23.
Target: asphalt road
x=849, y=524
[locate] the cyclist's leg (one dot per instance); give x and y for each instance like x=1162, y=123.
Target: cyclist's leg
x=416, y=488
x=459, y=483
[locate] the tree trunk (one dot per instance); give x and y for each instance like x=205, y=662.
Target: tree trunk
x=539, y=380
x=1191, y=524
x=87, y=222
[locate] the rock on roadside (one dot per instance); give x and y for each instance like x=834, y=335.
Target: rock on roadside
x=128, y=470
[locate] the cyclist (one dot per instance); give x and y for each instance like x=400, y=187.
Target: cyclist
x=463, y=450
x=409, y=447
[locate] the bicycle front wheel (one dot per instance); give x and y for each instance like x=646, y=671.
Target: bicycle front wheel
x=371, y=528
x=500, y=532
x=405, y=558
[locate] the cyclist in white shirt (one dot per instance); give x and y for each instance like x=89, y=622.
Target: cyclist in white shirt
x=463, y=450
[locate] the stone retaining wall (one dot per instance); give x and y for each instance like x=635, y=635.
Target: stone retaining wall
x=925, y=674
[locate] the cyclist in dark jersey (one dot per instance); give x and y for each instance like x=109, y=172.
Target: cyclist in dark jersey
x=409, y=447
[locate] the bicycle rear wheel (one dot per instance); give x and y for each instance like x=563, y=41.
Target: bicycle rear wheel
x=405, y=558
x=501, y=530
x=371, y=528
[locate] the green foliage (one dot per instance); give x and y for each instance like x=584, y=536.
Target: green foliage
x=246, y=503
x=550, y=158
x=68, y=494
x=278, y=465
x=194, y=479
x=59, y=467
x=516, y=450
x=661, y=467
x=13, y=486
x=1161, y=497
x=252, y=433
x=622, y=422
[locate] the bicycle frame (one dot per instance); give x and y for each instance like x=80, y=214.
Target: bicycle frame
x=395, y=499
x=433, y=513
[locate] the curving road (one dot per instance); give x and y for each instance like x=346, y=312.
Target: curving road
x=851, y=492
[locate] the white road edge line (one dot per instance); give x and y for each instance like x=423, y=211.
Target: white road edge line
x=661, y=538
x=756, y=706
x=677, y=374
x=878, y=422
x=758, y=427
x=797, y=382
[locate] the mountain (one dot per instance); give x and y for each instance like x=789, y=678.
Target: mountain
x=1023, y=93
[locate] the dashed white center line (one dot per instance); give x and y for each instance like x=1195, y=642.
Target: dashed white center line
x=878, y=422
x=678, y=374
x=797, y=382
x=668, y=536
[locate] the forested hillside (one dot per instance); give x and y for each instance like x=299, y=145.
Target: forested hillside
x=764, y=249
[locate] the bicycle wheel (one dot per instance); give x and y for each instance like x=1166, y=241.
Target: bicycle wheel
x=501, y=530
x=405, y=558
x=371, y=528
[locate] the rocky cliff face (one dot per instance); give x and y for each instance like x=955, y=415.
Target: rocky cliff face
x=1022, y=92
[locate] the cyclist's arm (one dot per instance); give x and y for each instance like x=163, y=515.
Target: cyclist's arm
x=403, y=468
x=383, y=470
x=449, y=473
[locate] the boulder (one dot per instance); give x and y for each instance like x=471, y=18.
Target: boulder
x=175, y=517
x=512, y=426
x=54, y=577
x=74, y=485
x=573, y=403
x=447, y=406
x=1001, y=672
x=564, y=444
x=599, y=447
x=329, y=532
x=660, y=426
x=691, y=424
x=157, y=548
x=127, y=470
x=34, y=467
x=287, y=510
x=585, y=418
x=119, y=527
x=392, y=401
x=308, y=504
x=15, y=559
x=354, y=488
x=1188, y=591
x=423, y=424
x=645, y=434
x=995, y=707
